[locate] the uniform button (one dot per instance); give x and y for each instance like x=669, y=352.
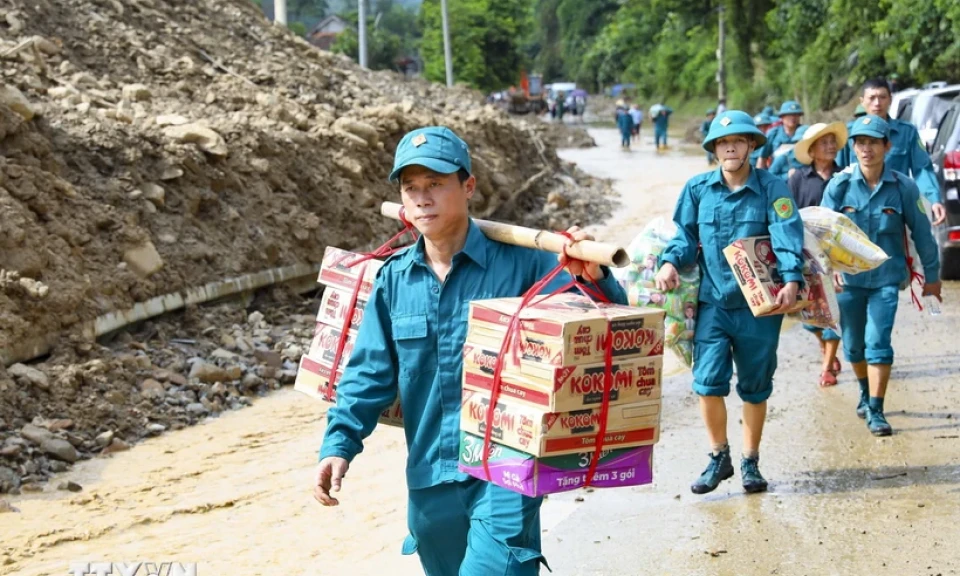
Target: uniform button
x=436, y=289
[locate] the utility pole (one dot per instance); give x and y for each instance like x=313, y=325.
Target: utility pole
x=362, y=31
x=280, y=11
x=448, y=59
x=721, y=69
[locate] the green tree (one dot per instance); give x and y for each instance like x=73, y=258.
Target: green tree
x=392, y=34
x=487, y=40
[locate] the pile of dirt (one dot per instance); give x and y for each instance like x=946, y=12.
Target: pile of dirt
x=149, y=146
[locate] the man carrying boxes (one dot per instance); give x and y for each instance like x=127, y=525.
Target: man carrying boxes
x=882, y=202
x=410, y=343
x=715, y=210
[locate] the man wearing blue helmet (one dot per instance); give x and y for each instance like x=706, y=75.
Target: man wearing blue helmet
x=715, y=209
x=785, y=161
x=764, y=123
x=907, y=154
x=883, y=203
x=790, y=114
x=410, y=343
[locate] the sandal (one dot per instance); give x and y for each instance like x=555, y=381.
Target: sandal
x=827, y=379
x=835, y=367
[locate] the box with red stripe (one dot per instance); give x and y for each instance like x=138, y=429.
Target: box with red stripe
x=323, y=347
x=313, y=379
x=334, y=306
x=562, y=388
x=541, y=433
x=568, y=329
x=336, y=271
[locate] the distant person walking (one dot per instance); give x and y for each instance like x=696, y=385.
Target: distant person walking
x=636, y=114
x=625, y=124
x=661, y=122
x=704, y=130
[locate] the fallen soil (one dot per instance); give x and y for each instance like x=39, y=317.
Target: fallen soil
x=150, y=146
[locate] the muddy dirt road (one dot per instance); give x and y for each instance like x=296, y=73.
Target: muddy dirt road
x=233, y=493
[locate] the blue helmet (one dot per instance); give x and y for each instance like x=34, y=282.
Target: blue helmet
x=790, y=107
x=729, y=123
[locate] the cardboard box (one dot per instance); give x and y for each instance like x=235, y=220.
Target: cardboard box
x=323, y=347
x=523, y=473
x=333, y=309
x=541, y=433
x=568, y=330
x=336, y=271
x=562, y=389
x=313, y=379
x=755, y=270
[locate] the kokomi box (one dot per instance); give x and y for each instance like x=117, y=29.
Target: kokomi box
x=334, y=307
x=313, y=379
x=754, y=268
x=567, y=329
x=562, y=388
x=323, y=347
x=542, y=433
x=531, y=476
x=338, y=270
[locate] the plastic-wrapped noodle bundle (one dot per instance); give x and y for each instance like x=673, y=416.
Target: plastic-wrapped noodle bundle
x=845, y=244
x=680, y=305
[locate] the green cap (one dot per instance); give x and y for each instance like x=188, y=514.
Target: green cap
x=437, y=148
x=729, y=123
x=859, y=111
x=870, y=125
x=790, y=107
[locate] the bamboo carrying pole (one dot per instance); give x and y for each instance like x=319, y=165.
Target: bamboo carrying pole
x=586, y=250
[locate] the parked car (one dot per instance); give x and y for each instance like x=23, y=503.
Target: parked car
x=901, y=104
x=945, y=155
x=929, y=107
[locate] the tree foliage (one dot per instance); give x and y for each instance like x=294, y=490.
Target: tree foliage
x=392, y=34
x=817, y=51
x=487, y=39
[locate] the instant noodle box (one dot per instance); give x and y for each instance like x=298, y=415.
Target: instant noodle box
x=526, y=474
x=562, y=388
x=323, y=347
x=541, y=433
x=568, y=329
x=334, y=306
x=754, y=268
x=313, y=379
x=336, y=273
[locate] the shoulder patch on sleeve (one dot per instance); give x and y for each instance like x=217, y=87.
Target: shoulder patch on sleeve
x=921, y=207
x=783, y=207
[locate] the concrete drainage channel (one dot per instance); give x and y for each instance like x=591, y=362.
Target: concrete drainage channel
x=301, y=277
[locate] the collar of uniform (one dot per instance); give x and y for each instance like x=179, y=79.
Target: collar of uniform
x=810, y=170
x=475, y=248
x=887, y=175
x=752, y=183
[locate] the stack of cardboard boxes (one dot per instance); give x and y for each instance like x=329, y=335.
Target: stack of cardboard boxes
x=317, y=376
x=547, y=418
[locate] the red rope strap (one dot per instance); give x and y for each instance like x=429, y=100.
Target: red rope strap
x=914, y=276
x=510, y=346
x=383, y=251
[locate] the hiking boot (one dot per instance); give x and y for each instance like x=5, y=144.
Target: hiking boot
x=719, y=469
x=862, y=408
x=877, y=423
x=750, y=473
